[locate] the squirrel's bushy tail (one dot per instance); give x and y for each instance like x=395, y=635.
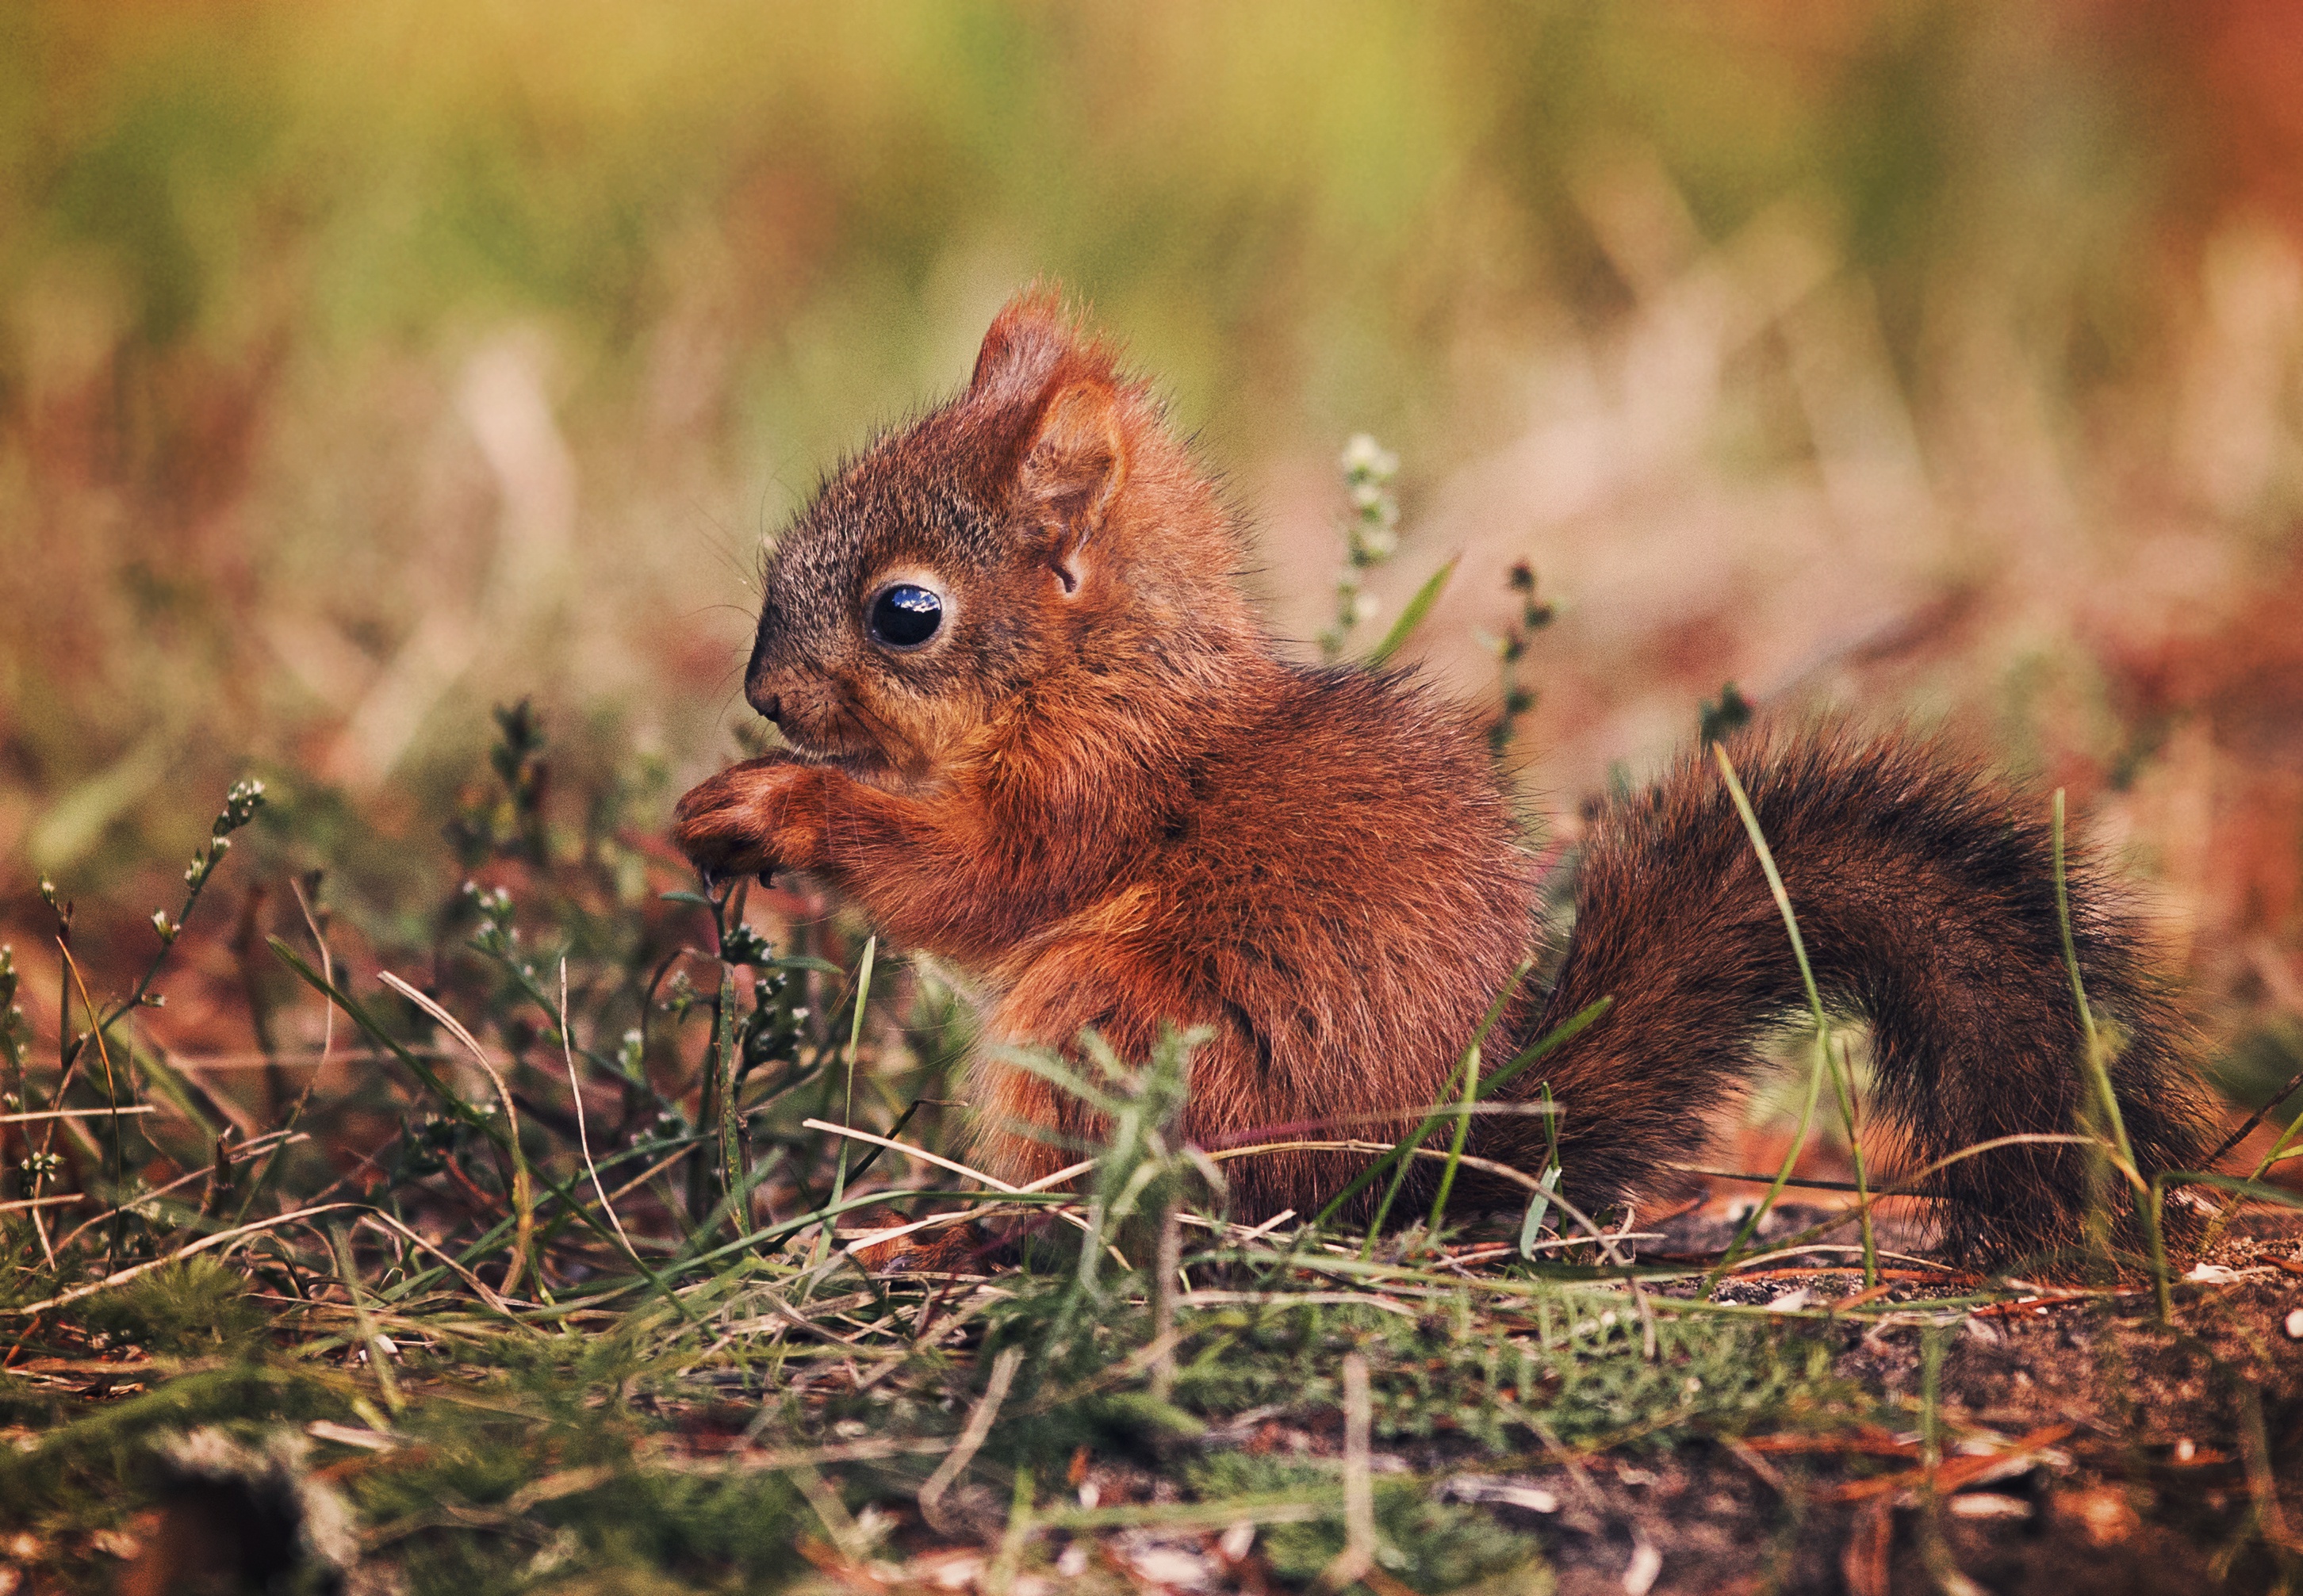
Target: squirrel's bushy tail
x=1925, y=896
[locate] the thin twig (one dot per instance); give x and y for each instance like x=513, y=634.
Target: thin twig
x=2253, y=1120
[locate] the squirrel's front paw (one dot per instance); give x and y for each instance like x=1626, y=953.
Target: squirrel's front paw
x=760, y=815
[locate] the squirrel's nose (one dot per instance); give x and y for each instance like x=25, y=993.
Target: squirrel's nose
x=759, y=678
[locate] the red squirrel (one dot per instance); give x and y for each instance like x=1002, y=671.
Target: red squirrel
x=1037, y=728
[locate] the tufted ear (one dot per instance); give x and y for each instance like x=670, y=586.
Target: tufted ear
x=1070, y=448
x=1027, y=341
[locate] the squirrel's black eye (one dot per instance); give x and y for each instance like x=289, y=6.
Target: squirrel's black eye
x=905, y=616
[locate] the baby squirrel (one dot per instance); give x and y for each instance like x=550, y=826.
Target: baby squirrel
x=1037, y=728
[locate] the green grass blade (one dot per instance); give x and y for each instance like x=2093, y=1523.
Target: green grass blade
x=1824, y=1061
x=1463, y=1133
x=2097, y=1065
x=1402, y=1154
x=1413, y=615
x=854, y=1038
x=1558, y=1036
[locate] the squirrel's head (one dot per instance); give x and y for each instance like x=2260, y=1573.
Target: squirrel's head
x=1042, y=527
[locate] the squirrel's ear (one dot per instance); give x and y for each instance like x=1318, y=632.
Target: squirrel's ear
x=1027, y=341
x=1074, y=467
x=1065, y=440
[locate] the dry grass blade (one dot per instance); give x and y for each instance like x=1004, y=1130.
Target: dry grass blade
x=379, y=1351
x=799, y=1321
x=1435, y=1155
x=1166, y=1272
x=583, y=1132
x=831, y=1512
x=1796, y=1251
x=990, y=1183
x=1362, y=1298
x=122, y=1112
x=244, y=1152
x=479, y=1287
x=523, y=1190
x=774, y=1459
x=122, y=1276
x=935, y=1222
x=1358, y=1557
x=1258, y=1232
x=879, y=1238
x=970, y=1439
x=1609, y=1242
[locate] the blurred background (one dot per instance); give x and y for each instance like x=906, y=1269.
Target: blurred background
x=366, y=365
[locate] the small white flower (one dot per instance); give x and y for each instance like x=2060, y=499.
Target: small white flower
x=1363, y=457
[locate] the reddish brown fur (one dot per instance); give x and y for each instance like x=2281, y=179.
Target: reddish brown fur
x=1924, y=893
x=1101, y=789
